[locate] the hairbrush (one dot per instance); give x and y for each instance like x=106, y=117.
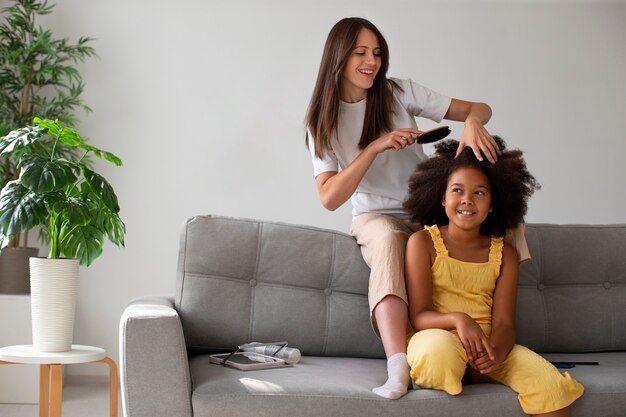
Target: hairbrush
x=433, y=135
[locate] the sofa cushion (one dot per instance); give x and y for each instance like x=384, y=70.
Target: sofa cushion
x=245, y=280
x=571, y=293
x=342, y=387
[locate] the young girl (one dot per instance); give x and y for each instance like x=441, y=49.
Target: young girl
x=462, y=280
x=361, y=134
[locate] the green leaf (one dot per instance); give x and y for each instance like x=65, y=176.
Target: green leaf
x=112, y=224
x=43, y=176
x=82, y=242
x=20, y=210
x=72, y=210
x=101, y=189
x=103, y=154
x=63, y=133
x=116, y=229
x=112, y=158
x=19, y=138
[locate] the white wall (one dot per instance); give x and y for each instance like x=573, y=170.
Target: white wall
x=205, y=100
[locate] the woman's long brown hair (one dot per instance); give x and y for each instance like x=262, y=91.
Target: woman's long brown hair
x=323, y=111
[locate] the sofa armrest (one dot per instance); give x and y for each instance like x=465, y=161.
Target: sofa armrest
x=154, y=368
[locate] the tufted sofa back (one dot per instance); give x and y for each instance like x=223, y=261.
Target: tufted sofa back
x=246, y=280
x=572, y=294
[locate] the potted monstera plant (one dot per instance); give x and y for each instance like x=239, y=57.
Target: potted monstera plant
x=38, y=76
x=73, y=205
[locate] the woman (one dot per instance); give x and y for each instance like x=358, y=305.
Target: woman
x=361, y=134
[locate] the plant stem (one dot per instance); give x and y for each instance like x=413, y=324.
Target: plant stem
x=24, y=105
x=53, y=232
x=56, y=140
x=83, y=157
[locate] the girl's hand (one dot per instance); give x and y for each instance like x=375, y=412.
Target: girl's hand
x=474, y=340
x=476, y=137
x=396, y=139
x=484, y=364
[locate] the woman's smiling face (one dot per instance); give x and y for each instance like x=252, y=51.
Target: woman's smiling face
x=361, y=67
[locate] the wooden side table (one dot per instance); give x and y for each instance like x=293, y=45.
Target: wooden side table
x=51, y=376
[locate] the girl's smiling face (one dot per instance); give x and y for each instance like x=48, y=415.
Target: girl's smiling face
x=467, y=199
x=361, y=67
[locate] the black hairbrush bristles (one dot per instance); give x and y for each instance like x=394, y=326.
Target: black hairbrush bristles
x=433, y=135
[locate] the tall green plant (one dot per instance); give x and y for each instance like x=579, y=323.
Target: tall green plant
x=38, y=76
x=76, y=206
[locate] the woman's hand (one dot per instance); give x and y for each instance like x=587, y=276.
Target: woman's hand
x=475, y=116
x=396, y=139
x=476, y=137
x=335, y=188
x=474, y=340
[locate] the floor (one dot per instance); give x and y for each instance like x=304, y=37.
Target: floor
x=82, y=396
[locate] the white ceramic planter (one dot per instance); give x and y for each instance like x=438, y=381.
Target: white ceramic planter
x=53, y=288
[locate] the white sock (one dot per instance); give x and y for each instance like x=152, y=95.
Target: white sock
x=398, y=378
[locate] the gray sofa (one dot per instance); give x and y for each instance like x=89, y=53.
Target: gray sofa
x=246, y=280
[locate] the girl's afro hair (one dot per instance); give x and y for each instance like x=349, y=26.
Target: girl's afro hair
x=511, y=186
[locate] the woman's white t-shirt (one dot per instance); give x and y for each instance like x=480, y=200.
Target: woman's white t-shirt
x=385, y=184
